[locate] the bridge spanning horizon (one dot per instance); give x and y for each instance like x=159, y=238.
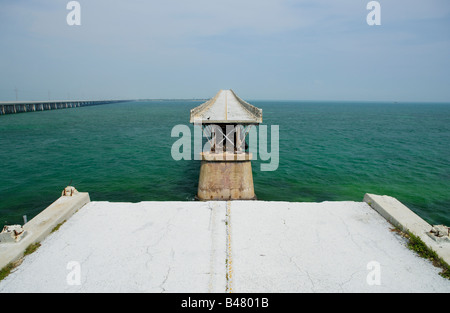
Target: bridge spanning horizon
x=13, y=107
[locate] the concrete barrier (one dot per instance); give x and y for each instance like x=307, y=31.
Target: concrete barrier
x=42, y=225
x=405, y=219
x=252, y=109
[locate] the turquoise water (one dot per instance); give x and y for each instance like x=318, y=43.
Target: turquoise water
x=328, y=151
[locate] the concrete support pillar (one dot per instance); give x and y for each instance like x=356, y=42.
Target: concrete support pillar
x=226, y=176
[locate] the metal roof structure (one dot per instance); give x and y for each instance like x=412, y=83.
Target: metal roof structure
x=226, y=108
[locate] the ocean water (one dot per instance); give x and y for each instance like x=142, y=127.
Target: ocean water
x=329, y=151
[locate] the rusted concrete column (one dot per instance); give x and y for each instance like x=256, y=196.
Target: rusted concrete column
x=226, y=176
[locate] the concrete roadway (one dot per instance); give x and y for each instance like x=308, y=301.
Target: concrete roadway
x=240, y=246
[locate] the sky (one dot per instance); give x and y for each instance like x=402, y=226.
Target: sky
x=262, y=49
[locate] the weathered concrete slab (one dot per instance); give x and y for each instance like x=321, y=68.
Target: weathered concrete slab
x=124, y=247
x=239, y=246
x=323, y=247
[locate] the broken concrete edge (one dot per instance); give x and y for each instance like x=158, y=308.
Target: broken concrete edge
x=12, y=233
x=42, y=225
x=407, y=221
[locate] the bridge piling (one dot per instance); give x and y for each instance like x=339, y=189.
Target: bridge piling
x=226, y=171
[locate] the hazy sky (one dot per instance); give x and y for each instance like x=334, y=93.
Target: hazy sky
x=262, y=49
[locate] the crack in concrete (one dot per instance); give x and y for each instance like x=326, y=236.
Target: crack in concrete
x=344, y=222
x=341, y=286
x=229, y=260
x=212, y=228
x=299, y=269
x=165, y=280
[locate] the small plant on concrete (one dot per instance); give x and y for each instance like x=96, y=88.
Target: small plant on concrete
x=57, y=227
x=417, y=245
x=31, y=248
x=4, y=272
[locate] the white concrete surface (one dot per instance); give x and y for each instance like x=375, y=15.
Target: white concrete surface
x=123, y=247
x=242, y=246
x=323, y=247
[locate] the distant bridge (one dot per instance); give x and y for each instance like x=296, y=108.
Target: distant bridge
x=33, y=106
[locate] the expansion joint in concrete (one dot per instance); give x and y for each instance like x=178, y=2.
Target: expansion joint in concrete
x=229, y=259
